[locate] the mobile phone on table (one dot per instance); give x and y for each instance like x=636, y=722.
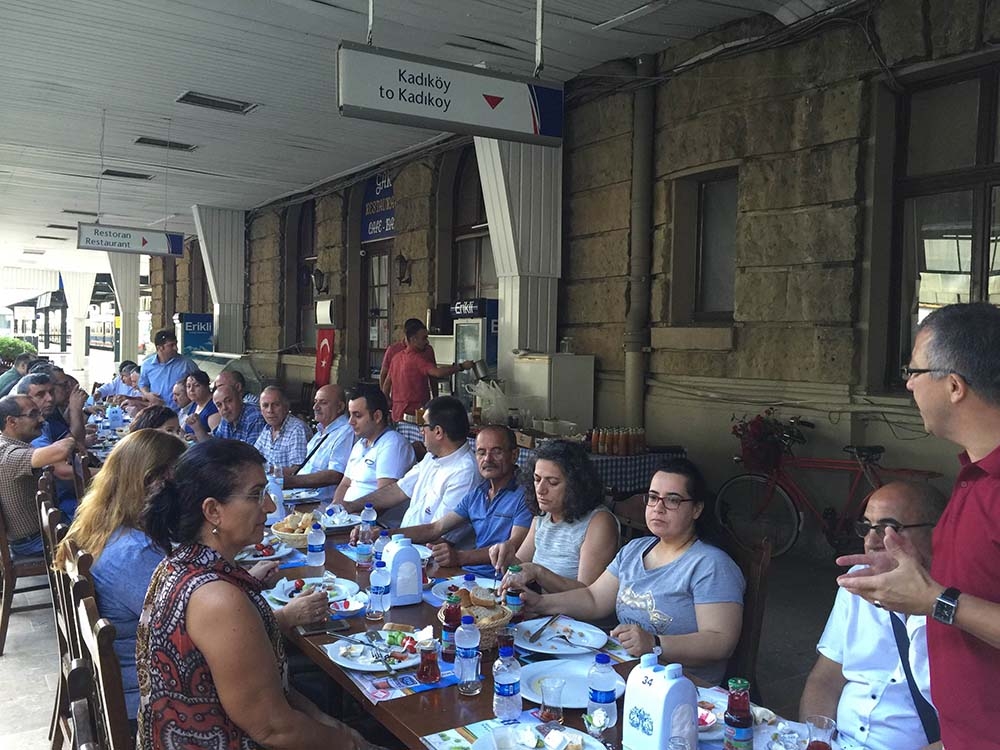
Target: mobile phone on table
x=319, y=628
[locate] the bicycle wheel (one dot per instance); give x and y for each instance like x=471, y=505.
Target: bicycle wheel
x=752, y=507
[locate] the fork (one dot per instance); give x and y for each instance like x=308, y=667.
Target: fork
x=374, y=638
x=564, y=637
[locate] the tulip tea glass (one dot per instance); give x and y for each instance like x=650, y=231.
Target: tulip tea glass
x=552, y=688
x=821, y=731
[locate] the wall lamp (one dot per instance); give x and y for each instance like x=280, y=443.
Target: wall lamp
x=321, y=284
x=403, y=275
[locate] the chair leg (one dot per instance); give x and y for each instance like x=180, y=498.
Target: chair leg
x=6, y=603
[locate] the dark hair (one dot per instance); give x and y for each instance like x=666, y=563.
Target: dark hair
x=10, y=406
x=126, y=363
x=43, y=366
x=22, y=358
x=32, y=378
x=584, y=488
x=965, y=340
x=449, y=414
x=412, y=327
x=163, y=336
x=200, y=377
x=152, y=417
x=182, y=381
x=697, y=487
x=375, y=400
x=508, y=434
x=211, y=469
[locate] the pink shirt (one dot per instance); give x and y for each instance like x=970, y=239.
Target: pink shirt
x=410, y=389
x=400, y=346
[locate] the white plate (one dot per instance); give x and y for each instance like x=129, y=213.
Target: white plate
x=249, y=554
x=486, y=741
x=719, y=700
x=710, y=717
x=340, y=588
x=351, y=519
x=580, y=632
x=441, y=589
x=350, y=662
x=301, y=496
x=574, y=671
x=353, y=604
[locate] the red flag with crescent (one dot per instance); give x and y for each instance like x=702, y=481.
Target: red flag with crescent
x=324, y=355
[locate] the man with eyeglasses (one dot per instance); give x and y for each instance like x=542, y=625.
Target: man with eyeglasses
x=20, y=467
x=859, y=677
x=437, y=484
x=954, y=376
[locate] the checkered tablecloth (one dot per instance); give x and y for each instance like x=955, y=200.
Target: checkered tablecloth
x=623, y=475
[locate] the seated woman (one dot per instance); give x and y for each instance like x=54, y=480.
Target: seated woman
x=202, y=408
x=157, y=417
x=211, y=657
x=571, y=543
x=670, y=590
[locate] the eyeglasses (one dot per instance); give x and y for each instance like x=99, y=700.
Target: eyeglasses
x=863, y=527
x=908, y=372
x=33, y=414
x=492, y=453
x=259, y=498
x=670, y=501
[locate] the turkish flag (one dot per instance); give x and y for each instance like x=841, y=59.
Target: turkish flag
x=324, y=355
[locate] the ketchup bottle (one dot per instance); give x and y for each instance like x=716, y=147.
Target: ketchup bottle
x=739, y=720
x=452, y=619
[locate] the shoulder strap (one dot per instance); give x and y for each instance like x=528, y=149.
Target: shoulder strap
x=315, y=448
x=926, y=712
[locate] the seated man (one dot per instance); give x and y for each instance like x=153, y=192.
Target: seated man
x=329, y=449
x=235, y=380
x=240, y=421
x=381, y=455
x=9, y=379
x=859, y=676
x=495, y=507
x=283, y=442
x=20, y=467
x=437, y=484
x=120, y=385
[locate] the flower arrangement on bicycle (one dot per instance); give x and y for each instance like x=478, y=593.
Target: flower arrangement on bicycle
x=760, y=437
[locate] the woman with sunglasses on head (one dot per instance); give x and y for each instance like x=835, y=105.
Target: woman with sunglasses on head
x=211, y=656
x=670, y=590
x=574, y=537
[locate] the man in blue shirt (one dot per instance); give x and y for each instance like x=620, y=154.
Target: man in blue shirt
x=240, y=421
x=161, y=370
x=495, y=507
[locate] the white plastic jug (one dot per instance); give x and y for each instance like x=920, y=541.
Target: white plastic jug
x=115, y=417
x=405, y=576
x=660, y=703
x=390, y=549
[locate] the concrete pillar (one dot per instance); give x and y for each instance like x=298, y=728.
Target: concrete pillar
x=522, y=188
x=125, y=275
x=222, y=239
x=79, y=288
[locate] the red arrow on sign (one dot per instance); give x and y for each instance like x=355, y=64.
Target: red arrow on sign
x=144, y=242
x=493, y=101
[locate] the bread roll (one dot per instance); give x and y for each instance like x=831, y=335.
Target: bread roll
x=398, y=626
x=484, y=597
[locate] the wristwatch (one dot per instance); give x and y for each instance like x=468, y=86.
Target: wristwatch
x=946, y=605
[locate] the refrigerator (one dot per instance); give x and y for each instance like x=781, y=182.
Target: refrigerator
x=475, y=339
x=564, y=383
x=444, y=354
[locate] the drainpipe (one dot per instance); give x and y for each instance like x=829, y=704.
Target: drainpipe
x=640, y=242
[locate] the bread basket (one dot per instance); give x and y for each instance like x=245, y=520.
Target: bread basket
x=487, y=635
x=292, y=540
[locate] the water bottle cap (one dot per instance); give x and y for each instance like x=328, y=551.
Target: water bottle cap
x=317, y=527
x=602, y=659
x=384, y=532
x=674, y=671
x=470, y=576
x=468, y=619
x=368, y=505
x=508, y=651
x=329, y=512
x=380, y=564
x=647, y=660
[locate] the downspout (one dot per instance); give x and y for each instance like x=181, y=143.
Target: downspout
x=640, y=242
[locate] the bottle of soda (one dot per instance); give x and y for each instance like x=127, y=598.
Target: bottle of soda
x=739, y=720
x=452, y=619
x=379, y=598
x=366, y=537
x=316, y=546
x=513, y=598
x=601, y=681
x=507, y=686
x=467, y=657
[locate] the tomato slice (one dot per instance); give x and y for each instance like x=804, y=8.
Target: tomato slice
x=299, y=583
x=258, y=546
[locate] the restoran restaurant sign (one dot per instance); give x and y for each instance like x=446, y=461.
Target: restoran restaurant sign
x=128, y=240
x=389, y=86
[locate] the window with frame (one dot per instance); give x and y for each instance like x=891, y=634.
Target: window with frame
x=473, y=271
x=947, y=201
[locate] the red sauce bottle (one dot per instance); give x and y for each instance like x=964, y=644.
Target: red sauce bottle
x=739, y=720
x=452, y=619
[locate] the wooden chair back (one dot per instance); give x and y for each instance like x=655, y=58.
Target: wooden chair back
x=10, y=571
x=631, y=515
x=81, y=728
x=98, y=637
x=47, y=484
x=54, y=525
x=80, y=476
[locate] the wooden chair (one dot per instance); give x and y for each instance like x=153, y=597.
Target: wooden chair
x=108, y=698
x=631, y=515
x=10, y=571
x=81, y=727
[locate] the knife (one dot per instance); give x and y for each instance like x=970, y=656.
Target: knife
x=537, y=634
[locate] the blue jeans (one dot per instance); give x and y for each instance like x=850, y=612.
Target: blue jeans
x=30, y=546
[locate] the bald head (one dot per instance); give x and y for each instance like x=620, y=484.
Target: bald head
x=903, y=503
x=228, y=402
x=329, y=403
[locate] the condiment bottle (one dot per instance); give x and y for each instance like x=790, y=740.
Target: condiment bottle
x=739, y=720
x=595, y=440
x=452, y=620
x=602, y=444
x=513, y=597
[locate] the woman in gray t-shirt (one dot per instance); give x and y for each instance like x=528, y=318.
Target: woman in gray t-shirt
x=671, y=589
x=575, y=537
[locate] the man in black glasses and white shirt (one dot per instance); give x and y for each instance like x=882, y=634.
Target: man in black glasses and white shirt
x=859, y=677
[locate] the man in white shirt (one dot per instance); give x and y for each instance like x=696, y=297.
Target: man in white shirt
x=381, y=456
x=328, y=450
x=434, y=486
x=859, y=676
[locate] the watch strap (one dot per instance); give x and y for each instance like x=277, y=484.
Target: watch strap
x=946, y=604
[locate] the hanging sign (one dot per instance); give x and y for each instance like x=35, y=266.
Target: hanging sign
x=388, y=86
x=135, y=240
x=378, y=210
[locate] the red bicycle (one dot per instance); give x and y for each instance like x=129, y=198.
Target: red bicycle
x=767, y=501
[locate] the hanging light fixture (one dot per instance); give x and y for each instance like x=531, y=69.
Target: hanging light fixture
x=403, y=275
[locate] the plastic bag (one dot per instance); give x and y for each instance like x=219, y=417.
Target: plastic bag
x=492, y=400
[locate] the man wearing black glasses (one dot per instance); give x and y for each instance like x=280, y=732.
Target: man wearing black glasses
x=860, y=677
x=954, y=376
x=19, y=470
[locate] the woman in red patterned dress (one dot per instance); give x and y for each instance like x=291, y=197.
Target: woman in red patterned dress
x=210, y=656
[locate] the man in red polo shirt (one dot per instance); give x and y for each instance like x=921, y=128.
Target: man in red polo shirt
x=399, y=347
x=407, y=384
x=954, y=375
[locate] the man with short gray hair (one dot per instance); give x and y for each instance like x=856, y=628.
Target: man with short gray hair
x=283, y=442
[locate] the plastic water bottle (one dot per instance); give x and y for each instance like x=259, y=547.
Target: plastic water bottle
x=366, y=537
x=601, y=681
x=469, y=581
x=316, y=541
x=379, y=593
x=383, y=539
x=507, y=686
x=467, y=656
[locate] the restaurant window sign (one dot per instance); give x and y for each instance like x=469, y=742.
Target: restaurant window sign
x=378, y=214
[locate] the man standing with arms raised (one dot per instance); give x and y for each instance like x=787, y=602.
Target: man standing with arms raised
x=954, y=375
x=328, y=450
x=164, y=368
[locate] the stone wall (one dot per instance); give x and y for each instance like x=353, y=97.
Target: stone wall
x=331, y=255
x=159, y=290
x=264, y=295
x=182, y=265
x=413, y=189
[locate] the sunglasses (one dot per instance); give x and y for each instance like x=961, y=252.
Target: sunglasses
x=863, y=527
